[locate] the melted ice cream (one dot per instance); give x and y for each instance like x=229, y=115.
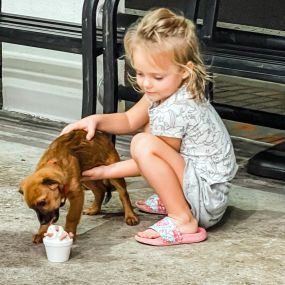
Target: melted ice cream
x=56, y=233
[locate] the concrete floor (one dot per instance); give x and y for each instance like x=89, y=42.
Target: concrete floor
x=248, y=247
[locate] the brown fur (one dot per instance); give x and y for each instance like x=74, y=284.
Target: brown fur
x=57, y=177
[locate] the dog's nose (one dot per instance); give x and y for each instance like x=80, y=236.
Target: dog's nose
x=47, y=218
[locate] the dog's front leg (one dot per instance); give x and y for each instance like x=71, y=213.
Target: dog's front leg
x=76, y=200
x=38, y=237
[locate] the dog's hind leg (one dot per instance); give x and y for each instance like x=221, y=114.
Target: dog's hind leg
x=131, y=218
x=98, y=189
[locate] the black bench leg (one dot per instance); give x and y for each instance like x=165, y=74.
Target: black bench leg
x=210, y=19
x=89, y=54
x=191, y=10
x=110, y=101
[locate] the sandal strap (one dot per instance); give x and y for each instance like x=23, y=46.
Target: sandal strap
x=168, y=231
x=155, y=204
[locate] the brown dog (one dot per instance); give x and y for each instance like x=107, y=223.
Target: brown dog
x=57, y=178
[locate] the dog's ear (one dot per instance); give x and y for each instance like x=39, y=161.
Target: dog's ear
x=51, y=183
x=52, y=178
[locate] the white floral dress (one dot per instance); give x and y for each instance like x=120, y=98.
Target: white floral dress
x=206, y=148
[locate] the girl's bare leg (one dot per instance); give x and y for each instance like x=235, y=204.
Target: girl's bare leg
x=163, y=168
x=119, y=169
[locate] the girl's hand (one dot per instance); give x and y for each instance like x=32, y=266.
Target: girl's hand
x=125, y=168
x=96, y=173
x=87, y=124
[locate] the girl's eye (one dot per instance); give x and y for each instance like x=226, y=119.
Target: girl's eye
x=158, y=78
x=139, y=74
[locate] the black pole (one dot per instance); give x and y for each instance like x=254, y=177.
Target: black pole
x=89, y=54
x=110, y=101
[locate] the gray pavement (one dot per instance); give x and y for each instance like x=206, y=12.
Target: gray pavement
x=247, y=247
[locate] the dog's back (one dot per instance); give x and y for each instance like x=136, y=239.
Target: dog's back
x=98, y=151
x=89, y=153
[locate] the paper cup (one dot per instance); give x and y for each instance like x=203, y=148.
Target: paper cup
x=57, y=251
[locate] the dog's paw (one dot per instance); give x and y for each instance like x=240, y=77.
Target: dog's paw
x=91, y=211
x=132, y=220
x=38, y=238
x=71, y=232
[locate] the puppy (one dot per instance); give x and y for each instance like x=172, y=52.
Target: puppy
x=57, y=178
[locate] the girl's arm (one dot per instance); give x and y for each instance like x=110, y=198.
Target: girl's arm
x=119, y=169
x=126, y=122
x=115, y=123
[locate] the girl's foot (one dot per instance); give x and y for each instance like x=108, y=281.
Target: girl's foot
x=169, y=232
x=185, y=228
x=152, y=205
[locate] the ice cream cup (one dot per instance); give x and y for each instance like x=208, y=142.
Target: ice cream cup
x=57, y=251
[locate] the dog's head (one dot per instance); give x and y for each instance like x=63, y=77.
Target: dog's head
x=43, y=192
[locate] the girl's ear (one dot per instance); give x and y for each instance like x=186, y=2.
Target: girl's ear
x=188, y=70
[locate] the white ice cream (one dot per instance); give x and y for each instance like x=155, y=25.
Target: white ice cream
x=57, y=244
x=56, y=234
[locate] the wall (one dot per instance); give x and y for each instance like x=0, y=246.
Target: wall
x=42, y=82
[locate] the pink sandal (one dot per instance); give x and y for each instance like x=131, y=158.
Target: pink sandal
x=170, y=235
x=152, y=205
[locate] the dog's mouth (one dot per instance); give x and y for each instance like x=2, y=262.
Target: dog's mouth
x=48, y=218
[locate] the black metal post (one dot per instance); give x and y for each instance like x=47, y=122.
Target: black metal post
x=191, y=9
x=89, y=55
x=210, y=19
x=110, y=100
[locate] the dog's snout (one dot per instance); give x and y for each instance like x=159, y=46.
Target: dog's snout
x=47, y=218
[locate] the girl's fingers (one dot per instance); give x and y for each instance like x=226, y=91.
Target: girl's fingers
x=68, y=129
x=90, y=132
x=95, y=173
x=88, y=173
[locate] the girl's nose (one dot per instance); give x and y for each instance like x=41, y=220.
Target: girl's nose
x=147, y=83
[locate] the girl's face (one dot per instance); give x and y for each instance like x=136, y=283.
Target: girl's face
x=157, y=76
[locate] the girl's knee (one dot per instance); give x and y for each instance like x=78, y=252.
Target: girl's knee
x=141, y=145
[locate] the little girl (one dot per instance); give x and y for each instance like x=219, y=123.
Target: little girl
x=184, y=152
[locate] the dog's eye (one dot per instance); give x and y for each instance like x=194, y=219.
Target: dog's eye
x=41, y=203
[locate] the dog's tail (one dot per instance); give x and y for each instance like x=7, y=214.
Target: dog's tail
x=108, y=196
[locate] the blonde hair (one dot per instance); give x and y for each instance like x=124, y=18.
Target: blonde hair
x=162, y=30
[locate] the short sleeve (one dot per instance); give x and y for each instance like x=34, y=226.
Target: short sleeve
x=169, y=119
